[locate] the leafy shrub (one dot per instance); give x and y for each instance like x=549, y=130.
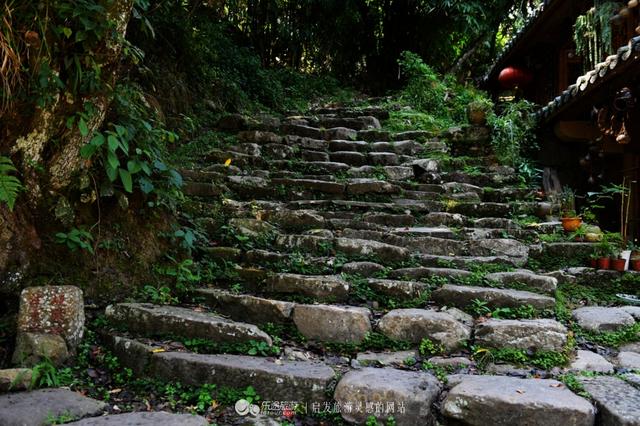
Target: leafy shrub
x=513, y=132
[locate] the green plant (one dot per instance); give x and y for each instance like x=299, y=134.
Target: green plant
x=479, y=307
x=60, y=419
x=10, y=185
x=429, y=348
x=76, y=239
x=592, y=32
x=159, y=295
x=512, y=132
x=45, y=375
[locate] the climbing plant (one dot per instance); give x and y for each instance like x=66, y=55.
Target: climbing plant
x=592, y=32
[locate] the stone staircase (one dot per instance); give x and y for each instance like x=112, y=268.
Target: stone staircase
x=340, y=247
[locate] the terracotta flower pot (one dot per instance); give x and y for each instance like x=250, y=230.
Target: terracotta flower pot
x=618, y=264
x=571, y=224
x=634, y=264
x=593, y=263
x=604, y=263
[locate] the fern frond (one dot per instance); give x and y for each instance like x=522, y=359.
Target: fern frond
x=10, y=186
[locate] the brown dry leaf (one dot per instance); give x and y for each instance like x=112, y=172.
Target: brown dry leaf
x=118, y=390
x=519, y=391
x=557, y=385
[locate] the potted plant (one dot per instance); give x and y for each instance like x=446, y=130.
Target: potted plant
x=603, y=252
x=618, y=263
x=478, y=110
x=570, y=219
x=593, y=260
x=634, y=257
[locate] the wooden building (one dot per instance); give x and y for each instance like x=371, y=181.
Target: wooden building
x=589, y=117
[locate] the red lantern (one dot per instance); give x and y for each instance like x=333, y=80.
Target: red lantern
x=513, y=77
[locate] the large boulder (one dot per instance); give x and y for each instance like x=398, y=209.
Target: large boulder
x=415, y=324
x=500, y=400
x=31, y=348
x=407, y=396
x=537, y=335
x=328, y=323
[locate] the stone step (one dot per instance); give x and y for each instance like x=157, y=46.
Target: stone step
x=541, y=283
x=38, y=407
x=529, y=334
x=156, y=418
x=279, y=379
x=149, y=320
x=344, y=112
x=256, y=310
x=617, y=401
x=319, y=287
x=413, y=325
x=469, y=262
x=464, y=296
x=407, y=396
x=500, y=400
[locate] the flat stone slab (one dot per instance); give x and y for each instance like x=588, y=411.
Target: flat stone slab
x=539, y=282
x=278, y=380
x=629, y=360
x=328, y=323
x=501, y=400
x=539, y=334
x=148, y=319
x=365, y=248
x=618, y=402
x=463, y=296
x=256, y=310
x=591, y=361
x=415, y=324
x=406, y=396
x=424, y=272
x=158, y=418
x=318, y=286
x=53, y=310
x=35, y=407
x=602, y=319
x=398, y=289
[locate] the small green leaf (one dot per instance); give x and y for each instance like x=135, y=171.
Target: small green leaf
x=112, y=173
x=112, y=158
x=66, y=31
x=125, y=177
x=113, y=143
x=82, y=126
x=88, y=150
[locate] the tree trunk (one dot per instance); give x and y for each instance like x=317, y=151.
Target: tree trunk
x=49, y=154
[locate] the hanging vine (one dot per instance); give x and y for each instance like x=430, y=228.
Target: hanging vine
x=592, y=32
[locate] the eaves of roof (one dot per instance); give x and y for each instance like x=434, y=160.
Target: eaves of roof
x=585, y=83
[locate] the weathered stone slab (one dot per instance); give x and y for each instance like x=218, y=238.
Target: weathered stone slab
x=602, y=319
x=328, y=323
x=537, y=335
x=415, y=324
x=53, y=310
x=397, y=289
x=31, y=348
x=364, y=269
x=500, y=400
x=158, y=418
x=36, y=407
x=135, y=355
x=618, y=402
x=628, y=360
x=415, y=392
x=591, y=361
x=381, y=251
x=540, y=282
x=148, y=319
x=370, y=186
x=318, y=286
x=240, y=307
x=273, y=380
x=463, y=296
x=424, y=272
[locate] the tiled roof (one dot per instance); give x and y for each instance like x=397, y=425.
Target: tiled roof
x=591, y=79
x=518, y=36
